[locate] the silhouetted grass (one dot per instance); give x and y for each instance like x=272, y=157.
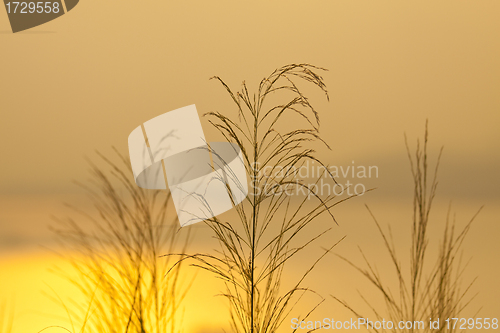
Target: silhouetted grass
x=429, y=290
x=115, y=251
x=257, y=244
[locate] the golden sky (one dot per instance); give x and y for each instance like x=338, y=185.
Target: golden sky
x=84, y=81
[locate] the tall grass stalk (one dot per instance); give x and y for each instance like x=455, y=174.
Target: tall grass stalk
x=117, y=258
x=430, y=289
x=270, y=227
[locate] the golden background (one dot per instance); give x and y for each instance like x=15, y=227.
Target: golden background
x=84, y=81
